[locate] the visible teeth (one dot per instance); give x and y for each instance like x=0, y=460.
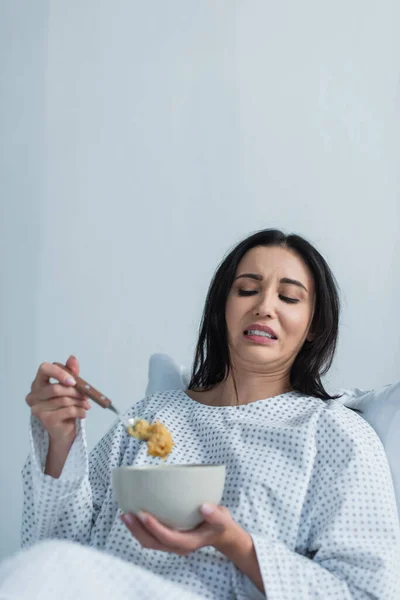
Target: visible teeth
x=259, y=332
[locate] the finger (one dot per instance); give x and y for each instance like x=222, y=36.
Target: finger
x=55, y=418
x=216, y=515
x=47, y=371
x=73, y=365
x=187, y=541
x=54, y=390
x=144, y=537
x=57, y=403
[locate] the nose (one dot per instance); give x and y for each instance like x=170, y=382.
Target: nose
x=266, y=305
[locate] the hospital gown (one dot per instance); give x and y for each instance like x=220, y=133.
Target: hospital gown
x=308, y=479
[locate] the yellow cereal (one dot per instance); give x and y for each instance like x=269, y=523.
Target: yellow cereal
x=158, y=438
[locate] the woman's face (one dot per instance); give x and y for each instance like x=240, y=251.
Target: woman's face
x=273, y=294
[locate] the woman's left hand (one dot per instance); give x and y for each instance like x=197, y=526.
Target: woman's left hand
x=218, y=530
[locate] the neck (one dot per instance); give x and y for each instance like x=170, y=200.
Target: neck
x=250, y=387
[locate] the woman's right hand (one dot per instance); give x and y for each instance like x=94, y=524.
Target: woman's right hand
x=57, y=406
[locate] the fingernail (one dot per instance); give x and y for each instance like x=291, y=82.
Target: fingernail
x=207, y=509
x=127, y=519
x=70, y=381
x=72, y=356
x=142, y=517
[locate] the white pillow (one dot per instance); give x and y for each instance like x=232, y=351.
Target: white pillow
x=381, y=409
x=164, y=374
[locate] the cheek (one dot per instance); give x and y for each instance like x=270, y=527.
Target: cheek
x=234, y=312
x=296, y=322
x=229, y=313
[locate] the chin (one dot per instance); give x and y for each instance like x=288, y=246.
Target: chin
x=258, y=353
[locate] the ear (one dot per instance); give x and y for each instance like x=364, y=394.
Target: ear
x=310, y=336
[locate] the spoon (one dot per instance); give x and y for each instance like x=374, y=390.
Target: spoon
x=85, y=388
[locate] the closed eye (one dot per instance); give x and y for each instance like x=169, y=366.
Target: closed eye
x=283, y=298
x=289, y=300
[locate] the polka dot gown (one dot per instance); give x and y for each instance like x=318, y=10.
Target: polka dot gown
x=308, y=479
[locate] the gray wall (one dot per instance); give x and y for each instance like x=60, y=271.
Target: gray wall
x=172, y=130
x=23, y=58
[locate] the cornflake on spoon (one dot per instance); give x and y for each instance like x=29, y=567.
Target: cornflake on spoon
x=158, y=438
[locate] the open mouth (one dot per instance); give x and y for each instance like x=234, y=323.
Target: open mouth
x=259, y=333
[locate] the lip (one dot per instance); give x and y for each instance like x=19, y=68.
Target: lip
x=261, y=328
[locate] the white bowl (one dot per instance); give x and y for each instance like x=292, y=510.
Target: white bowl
x=172, y=493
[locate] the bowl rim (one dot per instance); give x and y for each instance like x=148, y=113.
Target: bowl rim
x=175, y=467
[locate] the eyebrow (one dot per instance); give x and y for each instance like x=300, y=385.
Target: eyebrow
x=283, y=280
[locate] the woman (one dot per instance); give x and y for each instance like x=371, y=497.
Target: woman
x=308, y=509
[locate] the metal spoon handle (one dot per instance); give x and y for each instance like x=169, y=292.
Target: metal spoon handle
x=85, y=388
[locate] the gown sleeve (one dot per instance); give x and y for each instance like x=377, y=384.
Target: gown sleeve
x=67, y=507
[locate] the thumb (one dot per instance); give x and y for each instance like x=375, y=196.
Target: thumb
x=73, y=365
x=215, y=515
